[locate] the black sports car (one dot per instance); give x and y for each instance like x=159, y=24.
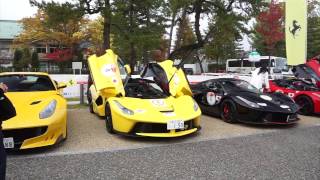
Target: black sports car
x=237, y=100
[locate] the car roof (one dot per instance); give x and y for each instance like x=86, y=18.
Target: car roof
x=24, y=73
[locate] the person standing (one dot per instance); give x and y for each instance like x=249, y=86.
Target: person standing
x=260, y=78
x=7, y=111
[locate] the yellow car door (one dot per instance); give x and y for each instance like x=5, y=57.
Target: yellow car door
x=178, y=84
x=107, y=73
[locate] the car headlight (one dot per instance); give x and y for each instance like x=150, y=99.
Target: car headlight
x=252, y=104
x=195, y=105
x=48, y=110
x=124, y=109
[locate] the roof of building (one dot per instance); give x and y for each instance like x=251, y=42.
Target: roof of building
x=9, y=29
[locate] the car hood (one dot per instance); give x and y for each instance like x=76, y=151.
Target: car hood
x=267, y=102
x=158, y=110
x=28, y=105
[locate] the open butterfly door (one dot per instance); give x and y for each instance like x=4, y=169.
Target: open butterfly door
x=178, y=83
x=106, y=72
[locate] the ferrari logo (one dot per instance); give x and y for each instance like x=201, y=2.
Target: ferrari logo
x=295, y=27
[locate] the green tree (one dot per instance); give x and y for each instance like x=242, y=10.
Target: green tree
x=26, y=58
x=35, y=60
x=17, y=58
x=313, y=43
x=138, y=28
x=184, y=36
x=226, y=29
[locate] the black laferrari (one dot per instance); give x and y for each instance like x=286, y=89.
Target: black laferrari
x=236, y=100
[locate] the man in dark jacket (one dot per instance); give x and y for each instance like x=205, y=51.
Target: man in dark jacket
x=7, y=111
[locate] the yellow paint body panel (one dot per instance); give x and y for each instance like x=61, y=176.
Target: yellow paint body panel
x=171, y=134
x=106, y=76
x=180, y=105
x=178, y=85
x=28, y=115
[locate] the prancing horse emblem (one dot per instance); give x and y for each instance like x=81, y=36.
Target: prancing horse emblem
x=295, y=28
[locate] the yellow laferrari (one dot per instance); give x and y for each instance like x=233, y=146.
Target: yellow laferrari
x=41, y=111
x=157, y=104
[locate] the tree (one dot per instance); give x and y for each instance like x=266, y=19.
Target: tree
x=242, y=9
x=21, y=59
x=17, y=58
x=94, y=35
x=59, y=22
x=185, y=34
x=174, y=7
x=35, y=60
x=226, y=27
x=138, y=28
x=313, y=42
x=270, y=26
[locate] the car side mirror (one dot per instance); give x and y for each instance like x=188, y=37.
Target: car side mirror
x=61, y=85
x=128, y=69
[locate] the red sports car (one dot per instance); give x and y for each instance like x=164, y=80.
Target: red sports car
x=305, y=94
x=309, y=70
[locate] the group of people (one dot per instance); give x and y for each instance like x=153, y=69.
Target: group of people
x=7, y=111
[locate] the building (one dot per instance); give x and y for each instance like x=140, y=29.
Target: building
x=9, y=29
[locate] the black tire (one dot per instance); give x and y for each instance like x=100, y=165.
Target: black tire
x=228, y=111
x=89, y=98
x=108, y=119
x=306, y=105
x=91, y=108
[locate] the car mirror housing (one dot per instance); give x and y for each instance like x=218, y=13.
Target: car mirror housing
x=61, y=85
x=128, y=69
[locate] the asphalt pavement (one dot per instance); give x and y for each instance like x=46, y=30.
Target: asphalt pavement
x=219, y=151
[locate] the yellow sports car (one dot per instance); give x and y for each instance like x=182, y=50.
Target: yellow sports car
x=157, y=104
x=41, y=111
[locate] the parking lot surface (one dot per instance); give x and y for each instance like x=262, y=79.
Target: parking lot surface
x=219, y=150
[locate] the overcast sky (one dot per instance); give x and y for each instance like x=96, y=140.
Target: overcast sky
x=15, y=9
x=18, y=9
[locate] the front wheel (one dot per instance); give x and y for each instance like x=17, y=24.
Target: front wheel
x=108, y=119
x=306, y=105
x=228, y=111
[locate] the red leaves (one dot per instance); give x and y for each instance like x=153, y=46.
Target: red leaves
x=271, y=24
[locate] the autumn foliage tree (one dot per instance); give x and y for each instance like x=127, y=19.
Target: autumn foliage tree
x=270, y=26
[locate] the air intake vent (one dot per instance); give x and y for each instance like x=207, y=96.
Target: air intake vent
x=35, y=102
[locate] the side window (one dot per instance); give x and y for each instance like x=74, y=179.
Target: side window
x=123, y=72
x=209, y=84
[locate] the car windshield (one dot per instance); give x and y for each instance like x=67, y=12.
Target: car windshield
x=144, y=88
x=27, y=83
x=239, y=85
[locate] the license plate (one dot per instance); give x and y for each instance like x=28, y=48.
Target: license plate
x=175, y=124
x=8, y=143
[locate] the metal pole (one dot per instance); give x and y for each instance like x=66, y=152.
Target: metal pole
x=81, y=94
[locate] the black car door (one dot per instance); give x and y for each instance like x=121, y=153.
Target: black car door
x=211, y=97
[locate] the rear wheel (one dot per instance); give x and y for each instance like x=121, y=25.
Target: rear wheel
x=91, y=107
x=90, y=101
x=306, y=105
x=108, y=119
x=228, y=111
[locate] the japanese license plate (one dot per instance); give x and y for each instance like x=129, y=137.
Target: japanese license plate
x=175, y=124
x=8, y=143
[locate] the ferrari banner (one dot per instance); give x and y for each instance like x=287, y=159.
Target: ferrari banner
x=296, y=31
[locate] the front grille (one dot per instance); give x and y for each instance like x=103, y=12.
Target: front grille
x=281, y=117
x=158, y=127
x=19, y=135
